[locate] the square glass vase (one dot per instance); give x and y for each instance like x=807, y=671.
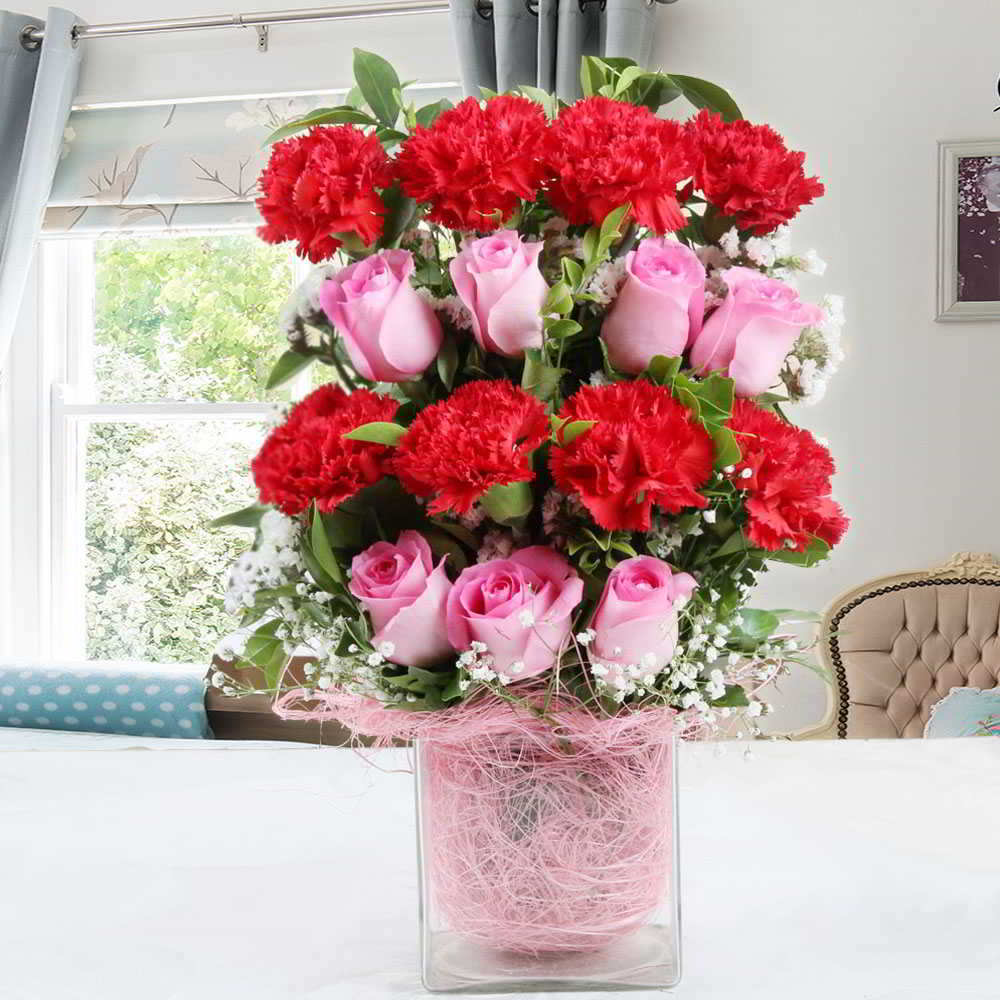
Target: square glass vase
x=548, y=861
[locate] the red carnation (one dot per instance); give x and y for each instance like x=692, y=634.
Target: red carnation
x=474, y=163
x=604, y=153
x=747, y=172
x=482, y=435
x=645, y=449
x=323, y=183
x=307, y=458
x=788, y=489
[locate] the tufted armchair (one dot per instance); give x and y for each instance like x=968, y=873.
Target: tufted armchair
x=897, y=645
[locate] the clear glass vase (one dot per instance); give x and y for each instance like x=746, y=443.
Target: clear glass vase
x=548, y=861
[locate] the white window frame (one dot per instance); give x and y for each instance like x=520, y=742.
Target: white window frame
x=46, y=398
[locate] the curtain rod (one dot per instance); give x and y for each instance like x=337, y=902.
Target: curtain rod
x=32, y=35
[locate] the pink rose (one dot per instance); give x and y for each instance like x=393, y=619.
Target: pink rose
x=636, y=619
x=497, y=278
x=660, y=307
x=406, y=596
x=752, y=331
x=391, y=333
x=519, y=607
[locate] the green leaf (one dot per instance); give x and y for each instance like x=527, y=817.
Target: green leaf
x=661, y=369
x=447, y=361
x=654, y=90
x=560, y=328
x=735, y=697
x=390, y=137
x=628, y=76
x=466, y=537
x=571, y=431
x=617, y=63
x=735, y=543
x=442, y=543
x=342, y=115
x=287, y=367
x=509, y=502
x=727, y=451
x=593, y=75
x=266, y=651
x=572, y=273
x=378, y=432
x=344, y=529
x=559, y=300
x=717, y=391
x=703, y=94
x=793, y=616
x=379, y=84
x=687, y=396
x=758, y=624
x=248, y=517
x=611, y=227
x=591, y=243
x=816, y=551
x=355, y=99
x=321, y=549
x=451, y=691
x=767, y=400
x=549, y=102
x=429, y=112
x=400, y=212
x=540, y=378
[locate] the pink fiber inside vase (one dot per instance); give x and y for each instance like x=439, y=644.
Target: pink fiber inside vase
x=535, y=845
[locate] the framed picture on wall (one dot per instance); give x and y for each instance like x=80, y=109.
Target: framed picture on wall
x=969, y=230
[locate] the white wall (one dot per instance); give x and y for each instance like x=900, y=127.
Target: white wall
x=866, y=87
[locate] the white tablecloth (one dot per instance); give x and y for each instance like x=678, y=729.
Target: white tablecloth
x=811, y=871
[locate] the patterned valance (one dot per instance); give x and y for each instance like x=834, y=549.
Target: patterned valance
x=175, y=166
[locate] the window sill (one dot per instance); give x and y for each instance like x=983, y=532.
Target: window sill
x=251, y=718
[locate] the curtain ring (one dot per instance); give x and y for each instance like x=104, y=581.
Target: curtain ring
x=602, y=5
x=531, y=6
x=29, y=38
x=484, y=8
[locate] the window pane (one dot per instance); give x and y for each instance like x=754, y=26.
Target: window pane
x=188, y=318
x=154, y=570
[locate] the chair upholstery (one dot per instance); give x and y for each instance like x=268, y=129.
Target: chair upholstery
x=897, y=645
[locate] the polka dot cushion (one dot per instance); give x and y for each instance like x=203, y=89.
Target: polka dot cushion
x=139, y=699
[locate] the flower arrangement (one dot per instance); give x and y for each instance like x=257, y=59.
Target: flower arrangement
x=553, y=457
x=522, y=520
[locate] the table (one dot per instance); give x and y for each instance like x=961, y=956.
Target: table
x=861, y=870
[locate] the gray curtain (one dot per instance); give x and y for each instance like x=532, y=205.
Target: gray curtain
x=36, y=92
x=507, y=43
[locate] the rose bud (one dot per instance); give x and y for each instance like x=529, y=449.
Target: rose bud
x=406, y=595
x=498, y=279
x=636, y=620
x=752, y=331
x=660, y=307
x=390, y=332
x=520, y=607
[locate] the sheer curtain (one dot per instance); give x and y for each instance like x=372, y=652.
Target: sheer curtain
x=540, y=42
x=36, y=91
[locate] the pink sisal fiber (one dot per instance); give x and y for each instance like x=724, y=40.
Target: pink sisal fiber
x=540, y=835
x=534, y=846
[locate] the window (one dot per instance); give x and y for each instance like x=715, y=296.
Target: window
x=149, y=358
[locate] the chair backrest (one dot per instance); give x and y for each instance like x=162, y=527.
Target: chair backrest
x=897, y=645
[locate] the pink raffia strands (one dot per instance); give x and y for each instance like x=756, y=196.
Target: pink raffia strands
x=534, y=846
x=541, y=835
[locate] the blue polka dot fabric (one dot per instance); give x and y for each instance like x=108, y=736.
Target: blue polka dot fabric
x=138, y=699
